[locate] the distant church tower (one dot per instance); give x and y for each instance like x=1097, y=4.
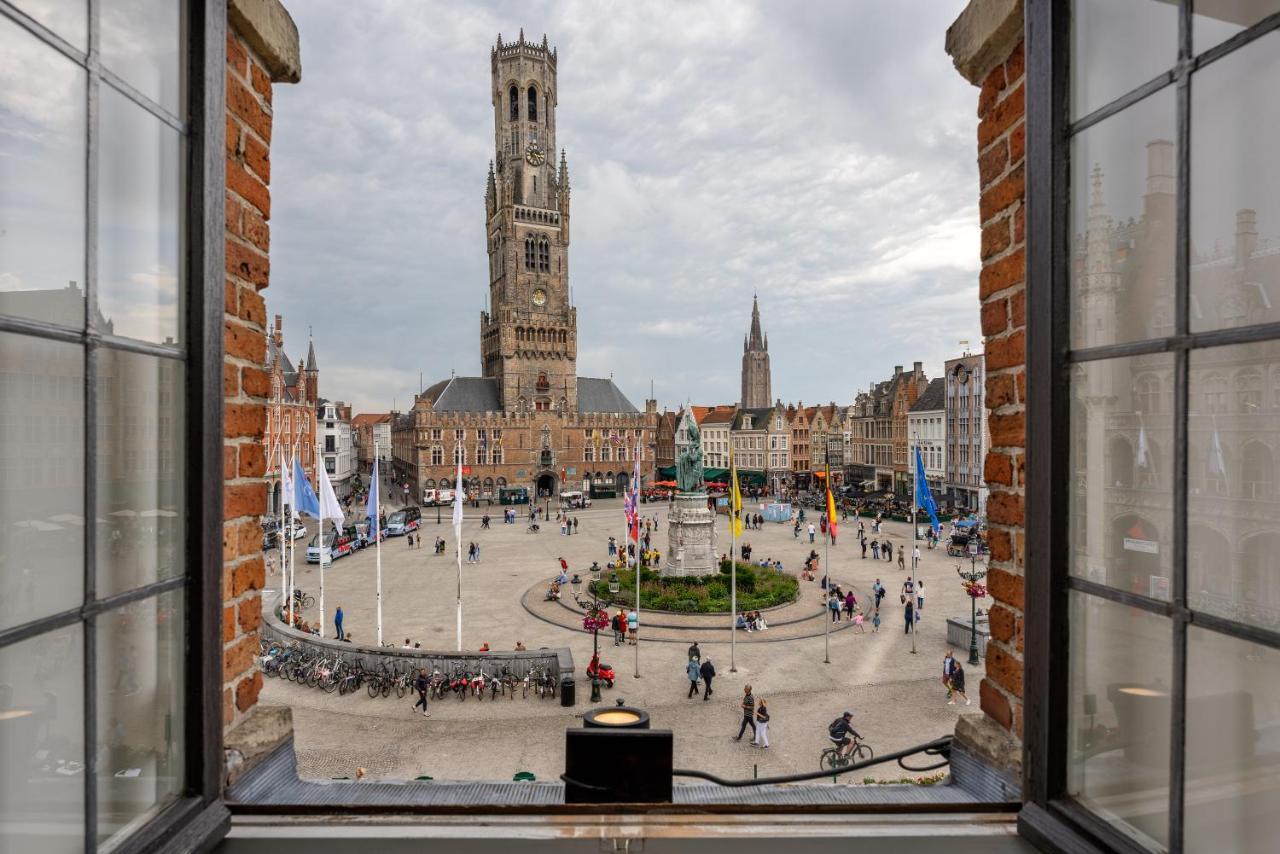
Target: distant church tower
x=757, y=390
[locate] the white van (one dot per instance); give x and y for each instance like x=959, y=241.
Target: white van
x=574, y=500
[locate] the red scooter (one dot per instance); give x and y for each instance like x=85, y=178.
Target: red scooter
x=603, y=672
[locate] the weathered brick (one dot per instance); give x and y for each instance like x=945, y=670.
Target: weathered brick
x=1004, y=508
x=249, y=575
x=1001, y=117
x=995, y=238
x=1009, y=189
x=1005, y=586
x=1003, y=273
x=255, y=381
x=244, y=499
x=1018, y=143
x=243, y=342
x=247, y=185
x=237, y=59
x=230, y=381
x=991, y=89
x=1020, y=224
x=1015, y=65
x=252, y=460
x=232, y=214
x=260, y=81
x=253, y=308
x=995, y=704
x=228, y=624
x=244, y=419
x=228, y=707
x=229, y=464
x=999, y=544
x=992, y=163
x=232, y=139
x=249, y=614
x=1000, y=391
x=1007, y=431
x=1018, y=309
x=1005, y=669
x=1022, y=385
x=1006, y=352
x=998, y=468
x=248, y=263
x=995, y=316
x=247, y=691
x=244, y=103
x=237, y=658
x=258, y=158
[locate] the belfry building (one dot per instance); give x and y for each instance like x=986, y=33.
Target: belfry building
x=528, y=420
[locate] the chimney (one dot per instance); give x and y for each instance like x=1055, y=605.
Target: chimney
x=897, y=370
x=278, y=334
x=1246, y=236
x=1160, y=167
x=916, y=367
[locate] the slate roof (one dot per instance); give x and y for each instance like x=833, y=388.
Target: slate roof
x=466, y=394
x=759, y=418
x=934, y=397
x=601, y=395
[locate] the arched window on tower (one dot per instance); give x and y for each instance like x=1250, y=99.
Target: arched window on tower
x=528, y=253
x=513, y=98
x=544, y=255
x=533, y=104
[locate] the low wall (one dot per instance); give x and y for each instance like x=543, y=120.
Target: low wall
x=558, y=659
x=959, y=630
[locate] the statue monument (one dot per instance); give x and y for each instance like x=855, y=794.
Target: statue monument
x=691, y=527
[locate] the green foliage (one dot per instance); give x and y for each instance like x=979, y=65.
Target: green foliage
x=758, y=587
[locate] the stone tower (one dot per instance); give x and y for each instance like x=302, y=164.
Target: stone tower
x=757, y=389
x=312, y=374
x=529, y=336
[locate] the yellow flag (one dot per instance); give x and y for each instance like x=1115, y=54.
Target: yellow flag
x=735, y=502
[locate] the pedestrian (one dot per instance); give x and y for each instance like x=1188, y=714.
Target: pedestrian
x=902, y=560
x=575, y=524
x=875, y=549
x=421, y=685
x=708, y=671
x=915, y=556
x=695, y=654
x=850, y=601
x=748, y=713
x=409, y=539
x=618, y=628
x=834, y=605
x=337, y=622
x=795, y=531
x=919, y=599
x=908, y=616
x=694, y=672
x=633, y=627
x=762, y=725
x=857, y=621
x=888, y=551
x=948, y=667
x=477, y=549
x=812, y=531
x=957, y=683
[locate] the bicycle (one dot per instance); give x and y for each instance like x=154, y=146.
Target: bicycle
x=831, y=758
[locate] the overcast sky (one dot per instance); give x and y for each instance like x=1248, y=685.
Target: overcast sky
x=819, y=153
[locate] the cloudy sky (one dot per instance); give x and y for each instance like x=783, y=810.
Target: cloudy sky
x=818, y=154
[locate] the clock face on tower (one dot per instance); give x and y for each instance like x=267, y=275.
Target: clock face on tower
x=534, y=155
x=539, y=297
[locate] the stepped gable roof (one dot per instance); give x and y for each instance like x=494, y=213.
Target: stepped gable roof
x=602, y=395
x=933, y=398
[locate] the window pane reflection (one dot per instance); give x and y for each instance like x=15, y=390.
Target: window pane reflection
x=1123, y=225
x=1116, y=46
x=1233, y=744
x=42, y=176
x=140, y=470
x=67, y=18
x=1233, y=501
x=1122, y=456
x=140, y=241
x=142, y=42
x=41, y=478
x=1235, y=190
x=42, y=743
x=1215, y=21
x=140, y=719
x=1119, y=712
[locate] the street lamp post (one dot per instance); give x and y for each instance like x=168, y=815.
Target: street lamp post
x=971, y=579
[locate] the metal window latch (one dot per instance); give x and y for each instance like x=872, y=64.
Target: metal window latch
x=631, y=845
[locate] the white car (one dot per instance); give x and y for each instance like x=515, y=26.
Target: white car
x=299, y=531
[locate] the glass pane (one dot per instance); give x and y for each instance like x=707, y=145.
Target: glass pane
x=140, y=470
x=1122, y=473
x=42, y=175
x=142, y=41
x=1233, y=488
x=140, y=712
x=1235, y=191
x=42, y=743
x=1123, y=225
x=67, y=18
x=140, y=239
x=1116, y=46
x=1215, y=21
x=1233, y=744
x=1121, y=673
x=41, y=478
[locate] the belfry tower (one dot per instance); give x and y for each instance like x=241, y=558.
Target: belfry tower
x=529, y=337
x=757, y=389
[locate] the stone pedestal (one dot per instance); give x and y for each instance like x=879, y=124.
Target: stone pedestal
x=691, y=547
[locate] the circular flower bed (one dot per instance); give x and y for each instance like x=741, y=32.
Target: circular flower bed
x=758, y=587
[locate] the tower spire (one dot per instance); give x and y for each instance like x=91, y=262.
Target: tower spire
x=757, y=339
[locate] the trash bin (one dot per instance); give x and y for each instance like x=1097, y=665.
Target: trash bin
x=567, y=692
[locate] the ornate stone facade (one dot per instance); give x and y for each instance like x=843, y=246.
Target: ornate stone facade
x=529, y=420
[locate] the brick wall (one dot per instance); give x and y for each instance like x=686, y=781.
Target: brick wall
x=259, y=52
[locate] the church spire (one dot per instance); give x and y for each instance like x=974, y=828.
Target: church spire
x=756, y=340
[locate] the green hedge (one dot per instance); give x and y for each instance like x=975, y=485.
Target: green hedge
x=758, y=587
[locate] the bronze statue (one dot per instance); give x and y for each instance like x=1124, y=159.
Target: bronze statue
x=689, y=477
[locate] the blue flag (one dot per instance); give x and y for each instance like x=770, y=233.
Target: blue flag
x=305, y=499
x=924, y=498
x=371, y=511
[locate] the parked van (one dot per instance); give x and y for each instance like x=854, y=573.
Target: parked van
x=574, y=500
x=403, y=521
x=336, y=545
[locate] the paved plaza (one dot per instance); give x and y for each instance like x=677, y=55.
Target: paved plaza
x=897, y=698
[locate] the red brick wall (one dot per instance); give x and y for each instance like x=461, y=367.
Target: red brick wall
x=1002, y=292
x=246, y=383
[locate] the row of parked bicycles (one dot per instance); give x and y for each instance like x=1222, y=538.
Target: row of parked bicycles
x=334, y=672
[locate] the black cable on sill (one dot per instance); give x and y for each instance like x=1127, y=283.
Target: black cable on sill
x=937, y=747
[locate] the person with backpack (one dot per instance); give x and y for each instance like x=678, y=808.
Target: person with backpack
x=708, y=671
x=421, y=685
x=841, y=733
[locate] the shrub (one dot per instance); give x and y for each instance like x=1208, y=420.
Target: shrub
x=758, y=587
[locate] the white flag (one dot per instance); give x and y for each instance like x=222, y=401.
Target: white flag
x=1217, y=460
x=457, y=502
x=286, y=485
x=329, y=506
x=1142, y=448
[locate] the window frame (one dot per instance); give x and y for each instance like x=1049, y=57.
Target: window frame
x=197, y=818
x=1050, y=817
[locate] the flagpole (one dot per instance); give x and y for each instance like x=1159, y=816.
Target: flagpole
x=293, y=501
x=733, y=562
x=320, y=534
x=457, y=533
x=915, y=535
x=635, y=509
x=281, y=536
x=376, y=529
x=826, y=599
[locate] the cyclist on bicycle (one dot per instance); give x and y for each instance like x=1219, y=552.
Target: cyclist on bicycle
x=839, y=731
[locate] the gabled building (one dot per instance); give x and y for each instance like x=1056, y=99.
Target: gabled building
x=290, y=424
x=907, y=388
x=798, y=417
x=715, y=426
x=926, y=429
x=333, y=432
x=966, y=432
x=372, y=431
